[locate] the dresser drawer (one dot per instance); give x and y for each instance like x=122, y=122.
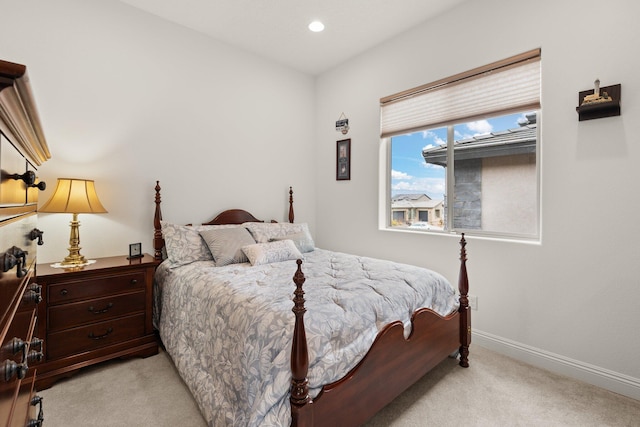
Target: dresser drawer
x=95, y=310
x=23, y=410
x=21, y=328
x=94, y=336
x=93, y=287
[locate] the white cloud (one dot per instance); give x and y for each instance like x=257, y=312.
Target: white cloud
x=480, y=127
x=400, y=175
x=434, y=187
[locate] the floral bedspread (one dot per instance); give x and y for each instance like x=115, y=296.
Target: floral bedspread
x=229, y=329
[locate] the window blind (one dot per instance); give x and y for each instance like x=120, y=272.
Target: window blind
x=506, y=86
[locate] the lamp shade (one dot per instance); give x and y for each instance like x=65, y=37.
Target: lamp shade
x=74, y=196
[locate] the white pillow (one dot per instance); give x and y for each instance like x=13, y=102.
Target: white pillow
x=266, y=253
x=226, y=244
x=303, y=241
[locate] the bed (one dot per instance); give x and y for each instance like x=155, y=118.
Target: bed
x=373, y=327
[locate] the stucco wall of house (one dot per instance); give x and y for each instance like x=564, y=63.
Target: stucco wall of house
x=510, y=194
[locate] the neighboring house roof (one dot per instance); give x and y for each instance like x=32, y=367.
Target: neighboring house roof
x=520, y=140
x=411, y=196
x=408, y=204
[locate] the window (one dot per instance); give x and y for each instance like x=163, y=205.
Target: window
x=463, y=152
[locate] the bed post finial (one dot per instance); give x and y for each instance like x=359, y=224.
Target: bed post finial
x=291, y=205
x=299, y=352
x=158, y=241
x=465, y=313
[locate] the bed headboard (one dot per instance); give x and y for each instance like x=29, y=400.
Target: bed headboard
x=230, y=216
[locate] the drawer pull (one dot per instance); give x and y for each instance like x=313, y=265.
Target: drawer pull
x=10, y=368
x=37, y=234
x=134, y=281
x=99, y=337
x=29, y=178
x=64, y=292
x=37, y=400
x=104, y=310
x=13, y=257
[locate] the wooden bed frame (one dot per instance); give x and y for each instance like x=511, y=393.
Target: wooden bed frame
x=391, y=365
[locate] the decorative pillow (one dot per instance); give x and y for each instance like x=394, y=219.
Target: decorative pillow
x=303, y=241
x=226, y=244
x=183, y=244
x=266, y=253
x=263, y=232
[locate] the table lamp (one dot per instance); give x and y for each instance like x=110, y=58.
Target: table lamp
x=74, y=196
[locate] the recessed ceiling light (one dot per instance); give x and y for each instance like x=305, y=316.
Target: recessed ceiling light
x=316, y=26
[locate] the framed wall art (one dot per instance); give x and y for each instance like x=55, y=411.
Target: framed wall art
x=343, y=160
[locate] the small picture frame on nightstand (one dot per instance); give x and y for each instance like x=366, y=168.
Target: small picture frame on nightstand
x=135, y=251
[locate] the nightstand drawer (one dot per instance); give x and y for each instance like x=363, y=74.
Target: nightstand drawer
x=95, y=335
x=95, y=287
x=95, y=310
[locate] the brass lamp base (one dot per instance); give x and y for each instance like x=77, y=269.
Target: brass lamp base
x=74, y=258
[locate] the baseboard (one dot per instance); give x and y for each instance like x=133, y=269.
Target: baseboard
x=600, y=377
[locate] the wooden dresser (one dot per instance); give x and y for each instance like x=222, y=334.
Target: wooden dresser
x=22, y=149
x=100, y=312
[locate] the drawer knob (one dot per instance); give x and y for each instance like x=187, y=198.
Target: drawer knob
x=16, y=345
x=99, y=337
x=35, y=356
x=104, y=310
x=32, y=296
x=134, y=281
x=36, y=343
x=9, y=368
x=64, y=292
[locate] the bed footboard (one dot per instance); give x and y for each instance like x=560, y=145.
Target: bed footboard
x=391, y=365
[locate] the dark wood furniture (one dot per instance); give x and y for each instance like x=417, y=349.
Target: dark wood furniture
x=100, y=312
x=22, y=149
x=392, y=364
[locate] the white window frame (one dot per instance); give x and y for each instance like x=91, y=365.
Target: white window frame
x=384, y=172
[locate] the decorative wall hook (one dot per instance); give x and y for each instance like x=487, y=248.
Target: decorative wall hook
x=342, y=124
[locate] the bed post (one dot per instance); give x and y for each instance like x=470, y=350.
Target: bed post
x=158, y=241
x=291, y=205
x=299, y=356
x=465, y=314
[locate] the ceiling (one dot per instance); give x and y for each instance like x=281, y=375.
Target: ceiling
x=277, y=29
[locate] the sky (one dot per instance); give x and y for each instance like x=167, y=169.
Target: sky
x=411, y=174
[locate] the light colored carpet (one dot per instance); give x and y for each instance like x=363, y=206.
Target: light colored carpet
x=494, y=391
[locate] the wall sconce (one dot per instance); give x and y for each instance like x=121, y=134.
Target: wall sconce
x=74, y=196
x=599, y=102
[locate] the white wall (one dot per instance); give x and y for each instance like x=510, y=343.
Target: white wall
x=570, y=300
x=126, y=99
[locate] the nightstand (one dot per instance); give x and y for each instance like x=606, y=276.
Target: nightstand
x=101, y=312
